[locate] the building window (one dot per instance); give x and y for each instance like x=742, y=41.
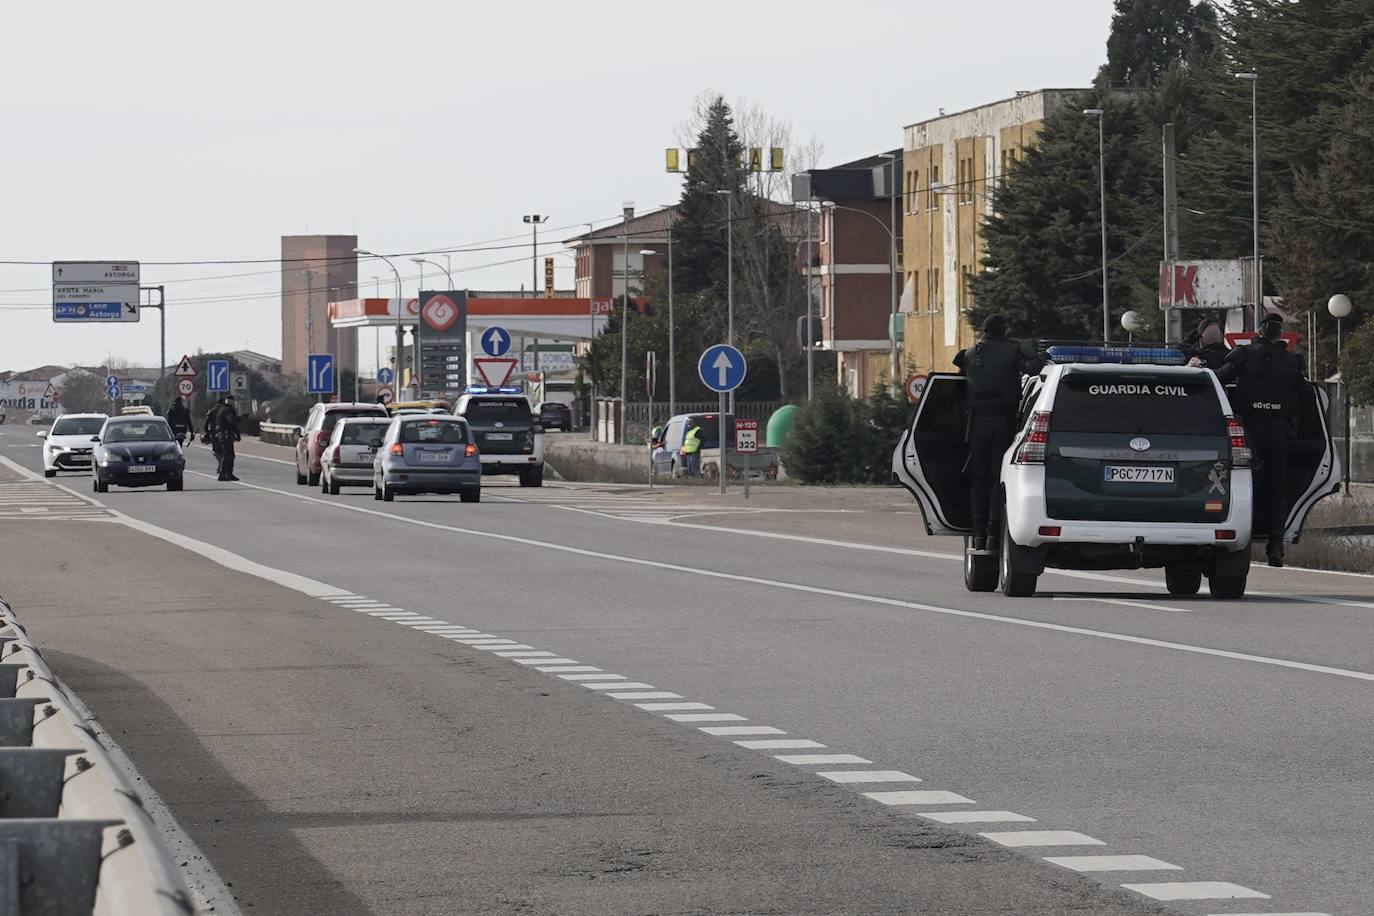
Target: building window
x=916, y=290
x=934, y=179
x=933, y=293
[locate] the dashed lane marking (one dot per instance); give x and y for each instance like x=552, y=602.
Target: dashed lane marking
x=919, y=797
x=1019, y=838
x=781, y=744
x=1113, y=863
x=619, y=685
x=820, y=759
x=721, y=731
x=976, y=817
x=646, y=695
x=673, y=707
x=585, y=677
x=864, y=776
x=706, y=717
x=1195, y=890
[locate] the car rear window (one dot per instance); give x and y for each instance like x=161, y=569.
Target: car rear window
x=498, y=410
x=444, y=432
x=1158, y=404
x=78, y=426
x=332, y=417
x=362, y=433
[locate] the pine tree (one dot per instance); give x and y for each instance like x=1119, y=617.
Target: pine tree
x=699, y=235
x=1151, y=37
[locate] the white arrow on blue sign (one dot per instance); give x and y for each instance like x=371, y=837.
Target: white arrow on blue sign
x=722, y=368
x=319, y=373
x=496, y=341
x=113, y=387
x=217, y=375
x=385, y=375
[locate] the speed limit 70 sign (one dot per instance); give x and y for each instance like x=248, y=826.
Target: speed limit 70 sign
x=746, y=436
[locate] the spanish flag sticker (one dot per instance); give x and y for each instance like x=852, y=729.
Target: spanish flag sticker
x=1212, y=505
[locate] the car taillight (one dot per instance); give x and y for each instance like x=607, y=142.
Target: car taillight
x=334, y=455
x=321, y=438
x=470, y=450
x=1032, y=449
x=1240, y=446
x=398, y=450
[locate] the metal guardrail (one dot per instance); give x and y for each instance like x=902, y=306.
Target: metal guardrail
x=74, y=835
x=279, y=433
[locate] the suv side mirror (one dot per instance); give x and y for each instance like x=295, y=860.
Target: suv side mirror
x=42, y=434
x=95, y=438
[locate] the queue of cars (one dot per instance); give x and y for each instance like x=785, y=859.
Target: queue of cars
x=422, y=447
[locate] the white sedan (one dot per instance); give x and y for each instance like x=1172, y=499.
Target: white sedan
x=68, y=446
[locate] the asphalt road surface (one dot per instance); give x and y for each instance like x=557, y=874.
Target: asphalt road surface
x=598, y=699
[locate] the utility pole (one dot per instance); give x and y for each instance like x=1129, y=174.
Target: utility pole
x=891, y=158
x=729, y=195
x=810, y=310
x=628, y=211
x=534, y=219
x=1173, y=318
x=309, y=311
x=1255, y=272
x=1102, y=195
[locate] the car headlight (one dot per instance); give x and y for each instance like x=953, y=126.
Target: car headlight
x=108, y=459
x=168, y=453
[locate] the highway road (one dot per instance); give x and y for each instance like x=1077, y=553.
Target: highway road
x=598, y=699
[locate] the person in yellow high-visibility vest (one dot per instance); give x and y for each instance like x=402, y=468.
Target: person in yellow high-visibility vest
x=691, y=450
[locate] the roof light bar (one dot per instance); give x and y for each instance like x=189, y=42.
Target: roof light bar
x=1127, y=356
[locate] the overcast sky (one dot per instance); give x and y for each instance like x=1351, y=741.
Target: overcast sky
x=162, y=130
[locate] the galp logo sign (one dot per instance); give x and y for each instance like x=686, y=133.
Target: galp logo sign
x=440, y=313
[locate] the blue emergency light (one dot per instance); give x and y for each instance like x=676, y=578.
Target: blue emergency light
x=483, y=389
x=1126, y=356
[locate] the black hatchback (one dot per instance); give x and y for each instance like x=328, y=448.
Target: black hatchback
x=137, y=452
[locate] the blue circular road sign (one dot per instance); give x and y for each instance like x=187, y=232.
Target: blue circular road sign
x=722, y=367
x=495, y=341
x=385, y=375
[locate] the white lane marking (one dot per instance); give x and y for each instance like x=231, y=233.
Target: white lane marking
x=482, y=640
x=437, y=626
x=862, y=776
x=1020, y=838
x=237, y=563
x=814, y=759
x=976, y=817
x=545, y=661
x=504, y=648
x=619, y=685
x=723, y=730
x=398, y=616
x=1270, y=914
x=673, y=707
x=706, y=717
x=780, y=744
x=517, y=653
x=589, y=677
x=1124, y=603
x=919, y=797
x=1195, y=890
x=1113, y=863
x=557, y=669
x=416, y=620
x=646, y=695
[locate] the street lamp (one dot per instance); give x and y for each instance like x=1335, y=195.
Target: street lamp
x=729, y=195
x=533, y=220
x=892, y=262
x=436, y=265
x=1257, y=280
x=1102, y=195
x=400, y=306
x=1339, y=306
x=627, y=210
x=672, y=346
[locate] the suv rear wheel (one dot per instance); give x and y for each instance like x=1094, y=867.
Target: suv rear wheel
x=532, y=477
x=1228, y=575
x=1015, y=583
x=1183, y=579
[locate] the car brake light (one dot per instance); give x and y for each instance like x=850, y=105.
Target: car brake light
x=1032, y=448
x=1225, y=534
x=1240, y=446
x=1050, y=531
x=470, y=450
x=398, y=450
x=334, y=455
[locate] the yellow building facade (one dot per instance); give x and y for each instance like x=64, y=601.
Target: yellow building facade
x=951, y=164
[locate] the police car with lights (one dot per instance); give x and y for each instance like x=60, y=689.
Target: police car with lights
x=509, y=437
x=1124, y=458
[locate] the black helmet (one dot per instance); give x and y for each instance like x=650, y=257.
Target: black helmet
x=994, y=325
x=1271, y=325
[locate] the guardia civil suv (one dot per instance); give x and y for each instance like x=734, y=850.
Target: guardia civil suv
x=1132, y=463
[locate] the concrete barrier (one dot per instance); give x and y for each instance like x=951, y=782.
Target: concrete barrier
x=279, y=433
x=74, y=835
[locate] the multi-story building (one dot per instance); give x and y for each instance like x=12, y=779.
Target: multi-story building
x=602, y=259
x=853, y=281
x=951, y=164
x=316, y=270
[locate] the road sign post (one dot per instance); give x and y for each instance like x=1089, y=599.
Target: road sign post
x=217, y=375
x=722, y=368
x=746, y=443
x=114, y=389
x=95, y=291
x=186, y=387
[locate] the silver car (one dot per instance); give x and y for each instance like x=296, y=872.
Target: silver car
x=348, y=456
x=428, y=454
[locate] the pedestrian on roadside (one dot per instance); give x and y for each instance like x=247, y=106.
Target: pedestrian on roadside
x=180, y=419
x=691, y=449
x=1268, y=379
x=226, y=434
x=656, y=432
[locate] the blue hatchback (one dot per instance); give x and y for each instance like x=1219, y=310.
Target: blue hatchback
x=428, y=454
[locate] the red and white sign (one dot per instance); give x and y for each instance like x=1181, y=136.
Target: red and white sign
x=747, y=436
x=412, y=306
x=494, y=370
x=185, y=369
x=603, y=306
x=440, y=312
x=1202, y=285
x=385, y=394
x=186, y=387
x=1234, y=339
x=915, y=387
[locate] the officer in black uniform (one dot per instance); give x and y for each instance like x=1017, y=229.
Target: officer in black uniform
x=994, y=367
x=1268, y=380
x=181, y=421
x=226, y=434
x=1209, y=349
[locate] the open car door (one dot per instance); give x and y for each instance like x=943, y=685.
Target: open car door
x=931, y=456
x=1314, y=469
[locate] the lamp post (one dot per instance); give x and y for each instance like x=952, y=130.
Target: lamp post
x=377, y=332
x=672, y=345
x=447, y=272
x=628, y=211
x=810, y=317
x=1257, y=280
x=533, y=220
x=400, y=307
x=1339, y=306
x=892, y=263
x=729, y=195
x=1102, y=195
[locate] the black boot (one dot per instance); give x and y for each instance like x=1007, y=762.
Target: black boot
x=1275, y=551
x=980, y=542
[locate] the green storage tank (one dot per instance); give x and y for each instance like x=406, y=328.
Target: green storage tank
x=780, y=425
